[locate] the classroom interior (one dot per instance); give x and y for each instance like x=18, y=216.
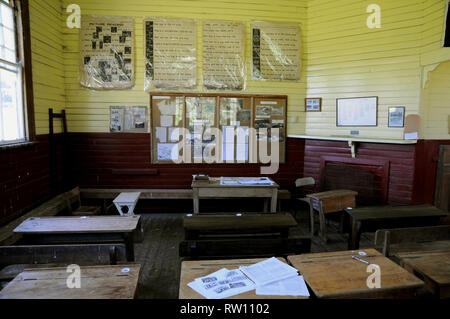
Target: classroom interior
x=158, y=142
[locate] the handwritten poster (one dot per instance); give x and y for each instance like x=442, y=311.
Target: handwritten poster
x=170, y=52
x=107, y=52
x=275, y=51
x=223, y=55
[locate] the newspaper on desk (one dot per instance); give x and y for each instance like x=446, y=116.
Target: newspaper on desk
x=222, y=284
x=269, y=277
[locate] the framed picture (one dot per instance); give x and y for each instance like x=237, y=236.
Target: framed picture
x=361, y=111
x=313, y=104
x=396, y=116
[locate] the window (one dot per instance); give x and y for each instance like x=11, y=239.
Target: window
x=12, y=89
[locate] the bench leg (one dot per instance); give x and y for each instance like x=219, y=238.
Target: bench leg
x=311, y=218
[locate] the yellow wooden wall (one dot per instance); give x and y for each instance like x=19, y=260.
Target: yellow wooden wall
x=342, y=57
x=437, y=102
x=47, y=61
x=347, y=59
x=88, y=110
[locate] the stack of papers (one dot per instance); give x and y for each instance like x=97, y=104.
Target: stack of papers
x=274, y=277
x=269, y=277
x=222, y=284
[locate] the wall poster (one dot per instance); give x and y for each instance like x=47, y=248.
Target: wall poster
x=224, y=65
x=170, y=54
x=275, y=51
x=107, y=52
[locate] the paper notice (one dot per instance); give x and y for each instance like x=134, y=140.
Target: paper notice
x=161, y=134
x=166, y=120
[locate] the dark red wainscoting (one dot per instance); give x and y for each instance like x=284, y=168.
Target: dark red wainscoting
x=25, y=177
x=398, y=158
x=108, y=160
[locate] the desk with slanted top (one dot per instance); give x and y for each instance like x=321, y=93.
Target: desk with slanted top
x=85, y=229
x=190, y=270
x=431, y=266
x=337, y=275
x=330, y=202
x=97, y=282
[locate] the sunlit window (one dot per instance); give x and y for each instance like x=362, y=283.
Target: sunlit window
x=12, y=117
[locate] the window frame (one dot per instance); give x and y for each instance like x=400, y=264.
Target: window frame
x=23, y=49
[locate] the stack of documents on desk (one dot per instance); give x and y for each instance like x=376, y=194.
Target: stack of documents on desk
x=245, y=181
x=222, y=284
x=274, y=277
x=270, y=277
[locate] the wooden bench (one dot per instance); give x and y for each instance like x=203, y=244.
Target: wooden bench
x=391, y=241
x=230, y=235
x=110, y=194
x=14, y=259
x=244, y=248
x=246, y=224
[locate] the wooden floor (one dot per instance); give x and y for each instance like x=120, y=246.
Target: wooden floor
x=158, y=253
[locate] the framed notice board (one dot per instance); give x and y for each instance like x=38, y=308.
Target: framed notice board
x=217, y=128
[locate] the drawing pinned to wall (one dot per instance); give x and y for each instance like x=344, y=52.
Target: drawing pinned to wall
x=107, y=52
x=170, y=54
x=276, y=51
x=128, y=119
x=224, y=64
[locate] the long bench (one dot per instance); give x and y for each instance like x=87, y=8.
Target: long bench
x=100, y=193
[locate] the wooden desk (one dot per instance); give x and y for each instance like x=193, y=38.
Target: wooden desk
x=337, y=275
x=97, y=282
x=213, y=189
x=433, y=267
x=195, y=269
x=379, y=217
x=330, y=202
x=85, y=229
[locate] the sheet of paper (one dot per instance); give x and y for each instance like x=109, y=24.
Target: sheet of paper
x=293, y=286
x=167, y=152
x=242, y=152
x=174, y=134
x=222, y=284
x=161, y=134
x=268, y=271
x=411, y=136
x=166, y=120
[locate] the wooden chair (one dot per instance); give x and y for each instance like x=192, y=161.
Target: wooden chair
x=300, y=183
x=74, y=197
x=390, y=241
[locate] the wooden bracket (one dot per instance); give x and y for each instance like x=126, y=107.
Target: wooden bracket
x=352, y=145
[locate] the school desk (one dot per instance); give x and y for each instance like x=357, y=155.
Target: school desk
x=84, y=229
x=338, y=275
x=96, y=282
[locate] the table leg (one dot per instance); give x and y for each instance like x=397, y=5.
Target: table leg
x=355, y=235
x=323, y=225
x=266, y=205
x=196, y=201
x=129, y=246
x=273, y=208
